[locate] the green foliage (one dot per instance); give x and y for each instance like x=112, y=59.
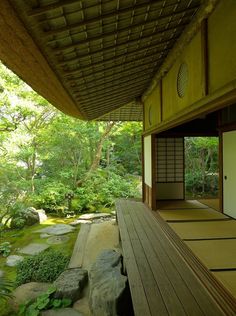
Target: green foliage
x=101, y=190
x=5, y=289
x=5, y=249
x=201, y=166
x=44, y=267
x=43, y=302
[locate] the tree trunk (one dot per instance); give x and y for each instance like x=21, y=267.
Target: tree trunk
x=98, y=154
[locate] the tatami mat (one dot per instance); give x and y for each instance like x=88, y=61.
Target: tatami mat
x=228, y=279
x=172, y=205
x=203, y=230
x=213, y=203
x=191, y=214
x=215, y=254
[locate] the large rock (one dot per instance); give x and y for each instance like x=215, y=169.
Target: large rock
x=28, y=291
x=58, y=229
x=70, y=283
x=92, y=216
x=26, y=217
x=107, y=284
x=61, y=312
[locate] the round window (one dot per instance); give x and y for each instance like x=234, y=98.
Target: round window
x=182, y=80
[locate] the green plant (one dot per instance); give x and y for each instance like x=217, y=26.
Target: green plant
x=43, y=302
x=5, y=289
x=5, y=248
x=44, y=267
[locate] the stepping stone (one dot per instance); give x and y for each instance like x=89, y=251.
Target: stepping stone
x=92, y=216
x=81, y=221
x=59, y=229
x=33, y=249
x=55, y=240
x=13, y=260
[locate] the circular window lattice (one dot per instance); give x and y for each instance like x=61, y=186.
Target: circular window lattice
x=182, y=80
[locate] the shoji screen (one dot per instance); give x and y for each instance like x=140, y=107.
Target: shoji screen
x=170, y=168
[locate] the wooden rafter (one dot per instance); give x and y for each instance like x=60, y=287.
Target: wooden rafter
x=138, y=50
x=139, y=40
x=103, y=16
x=130, y=27
x=138, y=67
x=155, y=56
x=103, y=87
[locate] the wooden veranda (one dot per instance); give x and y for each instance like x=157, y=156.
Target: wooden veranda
x=165, y=277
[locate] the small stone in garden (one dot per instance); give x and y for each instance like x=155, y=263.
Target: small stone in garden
x=113, y=212
x=43, y=235
x=33, y=249
x=58, y=229
x=61, y=312
x=57, y=240
x=13, y=260
x=81, y=221
x=70, y=283
x=92, y=216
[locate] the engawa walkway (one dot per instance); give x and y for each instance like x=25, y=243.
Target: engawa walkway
x=165, y=277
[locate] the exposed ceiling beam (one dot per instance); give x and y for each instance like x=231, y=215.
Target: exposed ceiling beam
x=114, y=77
x=84, y=42
x=60, y=4
x=138, y=50
x=102, y=16
x=93, y=72
x=104, y=94
x=117, y=97
x=130, y=27
x=116, y=73
x=112, y=85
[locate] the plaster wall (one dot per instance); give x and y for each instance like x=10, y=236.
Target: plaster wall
x=148, y=161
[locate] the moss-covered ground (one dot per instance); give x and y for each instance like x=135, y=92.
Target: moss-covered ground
x=23, y=237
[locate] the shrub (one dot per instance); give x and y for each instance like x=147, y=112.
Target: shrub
x=5, y=248
x=44, y=267
x=5, y=289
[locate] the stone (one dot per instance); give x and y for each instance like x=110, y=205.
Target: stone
x=27, y=292
x=55, y=240
x=107, y=285
x=44, y=235
x=58, y=229
x=70, y=283
x=92, y=216
x=33, y=249
x=13, y=260
x=42, y=215
x=81, y=221
x=113, y=212
x=61, y=312
x=82, y=306
x=27, y=217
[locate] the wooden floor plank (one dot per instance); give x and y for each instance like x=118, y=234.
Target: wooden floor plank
x=182, y=291
x=162, y=270
x=77, y=257
x=138, y=294
x=154, y=297
x=172, y=303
